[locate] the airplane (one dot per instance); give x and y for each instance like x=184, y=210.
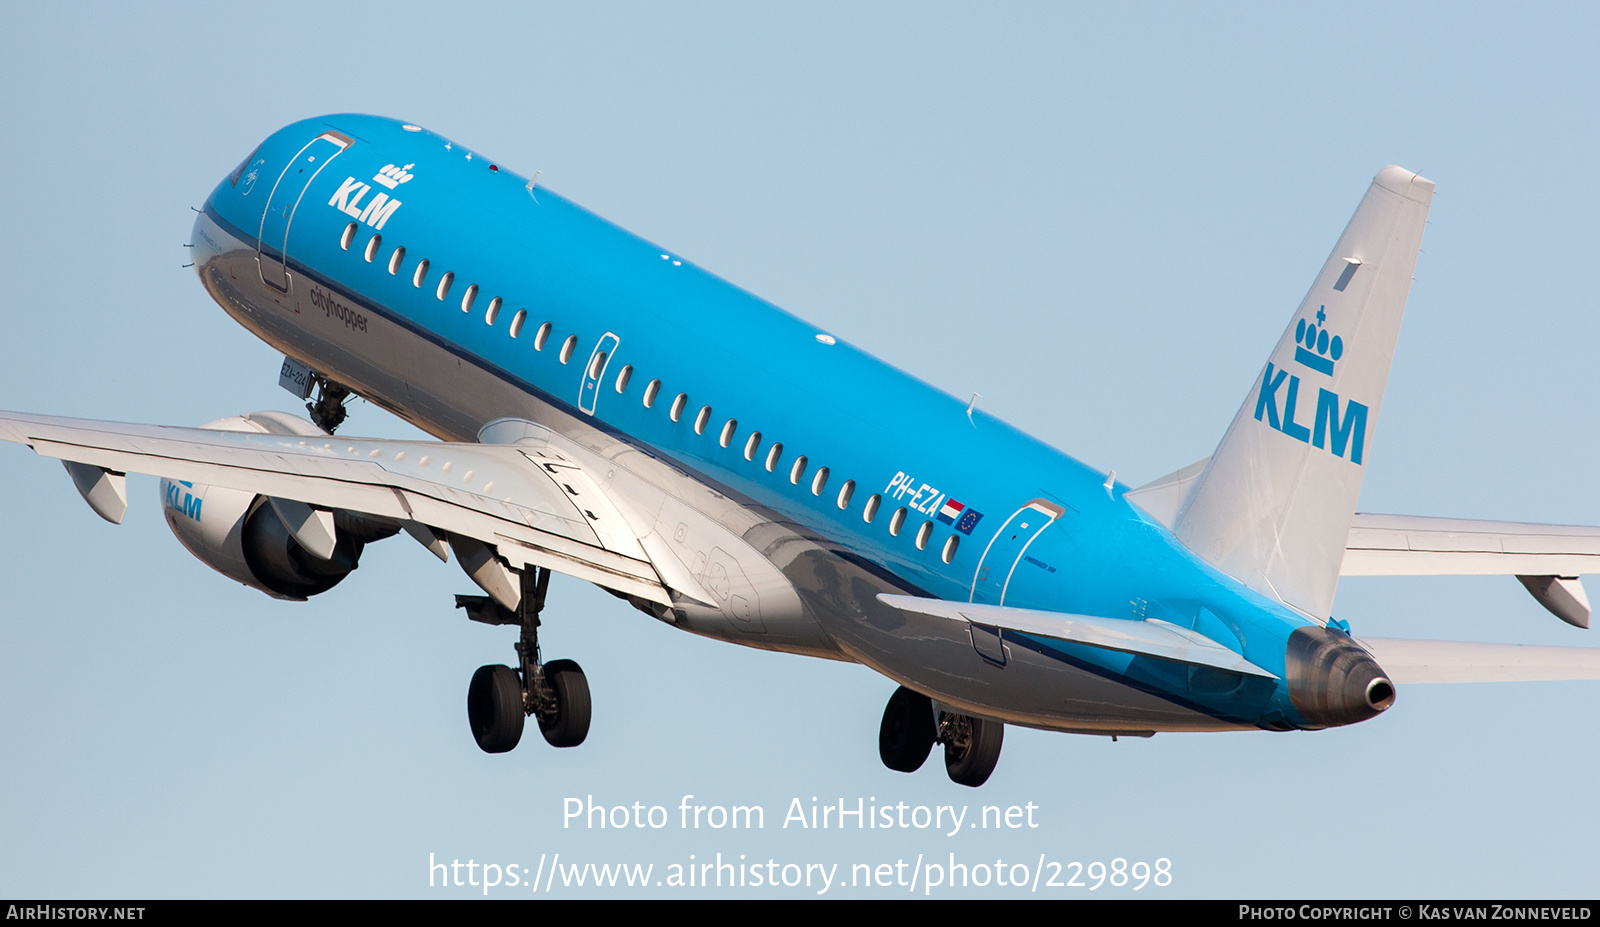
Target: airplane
x=608, y=410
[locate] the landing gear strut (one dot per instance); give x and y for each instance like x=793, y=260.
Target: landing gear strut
x=555, y=693
x=328, y=412
x=910, y=729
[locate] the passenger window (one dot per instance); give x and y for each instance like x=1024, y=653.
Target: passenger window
x=372, y=247
x=950, y=545
x=798, y=470
x=567, y=346
x=597, y=364
x=623, y=376
x=542, y=336
x=845, y=492
x=728, y=429
x=897, y=521
x=752, y=445
x=923, y=533
x=870, y=510
x=650, y=393
x=348, y=236
x=494, y=311
x=773, y=453
x=467, y=297
x=396, y=259
x=444, y=283
x=421, y=274
x=701, y=420
x=676, y=412
x=516, y=322
x=819, y=481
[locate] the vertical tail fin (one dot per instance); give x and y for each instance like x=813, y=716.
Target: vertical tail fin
x=1273, y=507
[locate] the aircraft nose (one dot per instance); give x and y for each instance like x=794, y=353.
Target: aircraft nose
x=1332, y=680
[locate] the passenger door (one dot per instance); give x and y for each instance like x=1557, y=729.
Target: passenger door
x=1005, y=550
x=272, y=245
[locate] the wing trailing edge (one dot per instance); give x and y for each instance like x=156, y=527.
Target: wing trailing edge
x=1149, y=637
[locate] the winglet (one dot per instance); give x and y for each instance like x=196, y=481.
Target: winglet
x=1273, y=507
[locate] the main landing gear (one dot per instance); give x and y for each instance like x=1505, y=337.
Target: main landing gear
x=910, y=729
x=499, y=698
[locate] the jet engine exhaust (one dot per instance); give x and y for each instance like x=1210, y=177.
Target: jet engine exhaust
x=1333, y=681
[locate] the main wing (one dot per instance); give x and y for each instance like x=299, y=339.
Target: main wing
x=528, y=504
x=1148, y=637
x=1547, y=559
x=1412, y=545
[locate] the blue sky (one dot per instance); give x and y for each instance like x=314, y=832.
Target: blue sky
x=1098, y=217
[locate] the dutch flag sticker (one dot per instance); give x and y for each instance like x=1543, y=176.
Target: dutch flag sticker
x=963, y=518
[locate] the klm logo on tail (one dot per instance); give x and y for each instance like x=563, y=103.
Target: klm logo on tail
x=1335, y=427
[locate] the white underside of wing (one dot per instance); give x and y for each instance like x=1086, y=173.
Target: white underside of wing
x=1412, y=661
x=1147, y=637
x=1412, y=545
x=536, y=509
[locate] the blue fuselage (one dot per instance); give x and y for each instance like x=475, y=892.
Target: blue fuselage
x=552, y=314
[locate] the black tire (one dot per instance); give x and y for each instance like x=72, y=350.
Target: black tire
x=972, y=763
x=494, y=708
x=906, y=736
x=570, y=725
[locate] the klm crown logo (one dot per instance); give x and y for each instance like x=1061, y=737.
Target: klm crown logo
x=1338, y=426
x=1313, y=348
x=391, y=176
x=376, y=211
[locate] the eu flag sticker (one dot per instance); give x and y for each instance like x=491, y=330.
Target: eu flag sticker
x=969, y=520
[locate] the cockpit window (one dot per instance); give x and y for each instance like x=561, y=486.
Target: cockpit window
x=233, y=178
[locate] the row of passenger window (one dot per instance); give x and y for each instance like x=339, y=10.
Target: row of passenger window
x=773, y=457
x=419, y=277
x=752, y=444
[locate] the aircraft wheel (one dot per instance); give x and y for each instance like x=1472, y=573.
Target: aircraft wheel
x=972, y=749
x=906, y=736
x=494, y=708
x=568, y=724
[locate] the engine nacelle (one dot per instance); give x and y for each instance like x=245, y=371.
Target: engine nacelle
x=240, y=535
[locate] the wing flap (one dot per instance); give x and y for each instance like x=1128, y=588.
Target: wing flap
x=1148, y=637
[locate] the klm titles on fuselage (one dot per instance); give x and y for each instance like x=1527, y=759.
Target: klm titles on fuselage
x=1279, y=400
x=376, y=212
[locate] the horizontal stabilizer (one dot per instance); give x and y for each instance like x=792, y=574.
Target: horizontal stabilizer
x=1408, y=661
x=1149, y=637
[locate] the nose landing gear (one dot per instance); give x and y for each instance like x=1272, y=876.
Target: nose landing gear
x=499, y=698
x=910, y=729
